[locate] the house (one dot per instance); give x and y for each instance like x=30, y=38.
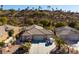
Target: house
x=14, y=28
x=68, y=34
x=36, y=33
x=4, y=31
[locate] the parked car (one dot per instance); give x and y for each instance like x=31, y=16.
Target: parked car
x=48, y=42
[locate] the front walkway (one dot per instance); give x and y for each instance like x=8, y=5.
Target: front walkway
x=41, y=48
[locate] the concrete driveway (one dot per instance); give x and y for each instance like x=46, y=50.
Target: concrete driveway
x=41, y=48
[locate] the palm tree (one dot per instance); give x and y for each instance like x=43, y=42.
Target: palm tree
x=59, y=43
x=26, y=46
x=39, y=8
x=1, y=7
x=52, y=9
x=33, y=8
x=27, y=8
x=18, y=9
x=56, y=8
x=48, y=7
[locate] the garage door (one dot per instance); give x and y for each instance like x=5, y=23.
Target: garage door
x=38, y=39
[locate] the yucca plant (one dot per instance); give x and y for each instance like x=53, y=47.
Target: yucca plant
x=2, y=44
x=59, y=42
x=26, y=46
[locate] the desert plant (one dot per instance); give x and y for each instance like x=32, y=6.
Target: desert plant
x=59, y=42
x=2, y=44
x=60, y=24
x=26, y=46
x=4, y=20
x=10, y=32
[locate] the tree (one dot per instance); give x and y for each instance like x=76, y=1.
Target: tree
x=71, y=24
x=1, y=7
x=52, y=9
x=33, y=8
x=4, y=20
x=14, y=22
x=13, y=11
x=48, y=7
x=74, y=25
x=18, y=9
x=10, y=32
x=60, y=24
x=39, y=8
x=2, y=44
x=26, y=46
x=27, y=8
x=29, y=22
x=44, y=22
x=56, y=8
x=59, y=42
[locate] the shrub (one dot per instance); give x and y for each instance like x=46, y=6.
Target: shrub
x=60, y=24
x=4, y=20
x=44, y=22
x=17, y=36
x=26, y=46
x=72, y=24
x=77, y=25
x=2, y=44
x=10, y=32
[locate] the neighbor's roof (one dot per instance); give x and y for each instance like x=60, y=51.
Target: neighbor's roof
x=36, y=30
x=66, y=30
x=68, y=34
x=3, y=32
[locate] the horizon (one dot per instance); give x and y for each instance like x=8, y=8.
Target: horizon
x=72, y=8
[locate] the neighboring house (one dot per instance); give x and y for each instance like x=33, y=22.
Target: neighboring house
x=36, y=33
x=68, y=34
x=4, y=31
x=15, y=28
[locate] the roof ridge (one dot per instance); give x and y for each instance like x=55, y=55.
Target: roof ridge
x=41, y=31
x=29, y=33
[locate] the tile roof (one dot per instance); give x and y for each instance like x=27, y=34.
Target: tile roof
x=4, y=33
x=36, y=30
x=66, y=30
x=68, y=34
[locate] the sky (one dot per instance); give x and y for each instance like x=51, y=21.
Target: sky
x=74, y=8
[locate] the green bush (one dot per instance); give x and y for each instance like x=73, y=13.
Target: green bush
x=60, y=24
x=26, y=46
x=10, y=32
x=17, y=36
x=44, y=22
x=4, y=20
x=74, y=25
x=2, y=44
x=77, y=25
